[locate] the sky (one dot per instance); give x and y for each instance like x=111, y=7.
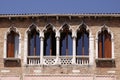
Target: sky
x=59, y=6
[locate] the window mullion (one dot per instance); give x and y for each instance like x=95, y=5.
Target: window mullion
x=82, y=43
x=66, y=43
x=35, y=44
x=50, y=43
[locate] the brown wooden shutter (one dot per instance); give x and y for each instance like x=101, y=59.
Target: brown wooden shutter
x=10, y=45
x=100, y=46
x=107, y=45
x=29, y=37
x=110, y=47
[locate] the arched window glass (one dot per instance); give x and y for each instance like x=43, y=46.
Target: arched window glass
x=82, y=42
x=66, y=42
x=33, y=43
x=12, y=44
x=104, y=44
x=49, y=43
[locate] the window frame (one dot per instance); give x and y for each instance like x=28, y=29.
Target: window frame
x=49, y=29
x=67, y=29
x=33, y=33
x=104, y=27
x=81, y=32
x=18, y=56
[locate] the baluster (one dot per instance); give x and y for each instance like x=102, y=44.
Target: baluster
x=84, y=61
x=35, y=61
x=80, y=60
x=87, y=62
x=38, y=62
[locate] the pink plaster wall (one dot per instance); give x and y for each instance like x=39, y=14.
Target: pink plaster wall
x=58, y=78
x=10, y=78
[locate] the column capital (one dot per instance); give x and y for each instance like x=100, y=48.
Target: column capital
x=41, y=38
x=74, y=37
x=57, y=37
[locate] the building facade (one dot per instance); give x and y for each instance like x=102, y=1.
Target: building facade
x=59, y=46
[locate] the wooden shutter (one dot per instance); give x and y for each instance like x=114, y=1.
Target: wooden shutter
x=29, y=36
x=10, y=45
x=107, y=46
x=100, y=46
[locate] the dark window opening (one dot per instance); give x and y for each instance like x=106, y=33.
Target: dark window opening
x=12, y=44
x=33, y=43
x=49, y=43
x=66, y=42
x=104, y=45
x=82, y=42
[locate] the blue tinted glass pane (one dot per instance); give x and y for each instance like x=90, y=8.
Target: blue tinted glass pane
x=79, y=46
x=32, y=46
x=63, y=46
x=103, y=41
x=16, y=50
x=48, y=46
x=69, y=45
x=86, y=44
x=37, y=45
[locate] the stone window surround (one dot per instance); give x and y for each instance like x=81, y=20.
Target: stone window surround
x=112, y=40
x=5, y=42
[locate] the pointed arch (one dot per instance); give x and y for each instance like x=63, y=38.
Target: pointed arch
x=12, y=43
x=31, y=27
x=49, y=40
x=49, y=26
x=84, y=26
x=82, y=40
x=65, y=40
x=104, y=43
x=65, y=26
x=33, y=34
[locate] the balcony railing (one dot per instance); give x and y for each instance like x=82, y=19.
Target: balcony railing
x=65, y=60
x=49, y=60
x=82, y=60
x=33, y=60
x=62, y=60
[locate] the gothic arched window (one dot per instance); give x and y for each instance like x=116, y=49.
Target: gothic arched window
x=82, y=42
x=49, y=42
x=65, y=41
x=33, y=42
x=104, y=45
x=12, y=44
